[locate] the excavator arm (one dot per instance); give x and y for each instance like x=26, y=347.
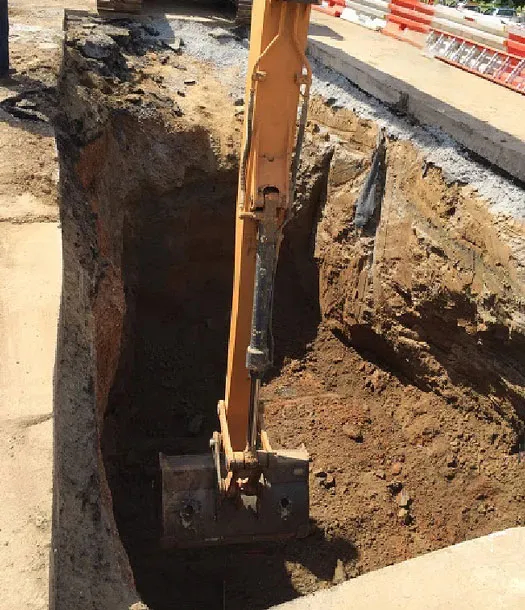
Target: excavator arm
x=244, y=490
x=278, y=80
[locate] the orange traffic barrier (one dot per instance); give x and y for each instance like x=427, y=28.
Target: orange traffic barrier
x=492, y=64
x=330, y=7
x=409, y=21
x=515, y=44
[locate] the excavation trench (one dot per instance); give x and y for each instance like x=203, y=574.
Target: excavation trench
x=398, y=345
x=161, y=319
x=174, y=276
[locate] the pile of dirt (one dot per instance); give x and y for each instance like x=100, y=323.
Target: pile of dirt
x=410, y=395
x=396, y=471
x=397, y=343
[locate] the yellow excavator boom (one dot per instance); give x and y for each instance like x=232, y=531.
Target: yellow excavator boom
x=278, y=76
x=244, y=489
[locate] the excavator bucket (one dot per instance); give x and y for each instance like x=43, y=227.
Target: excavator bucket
x=195, y=513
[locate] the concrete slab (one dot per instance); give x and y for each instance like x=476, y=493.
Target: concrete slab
x=30, y=276
x=477, y=113
x=483, y=573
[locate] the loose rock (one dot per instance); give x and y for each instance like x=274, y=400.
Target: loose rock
x=119, y=34
x=98, y=46
x=339, y=573
x=134, y=98
x=394, y=487
x=452, y=461
x=221, y=34
x=176, y=45
x=328, y=482
x=354, y=432
x=404, y=515
x=403, y=499
x=397, y=467
x=25, y=104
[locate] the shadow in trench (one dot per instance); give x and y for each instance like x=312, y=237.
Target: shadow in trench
x=242, y=576
x=177, y=270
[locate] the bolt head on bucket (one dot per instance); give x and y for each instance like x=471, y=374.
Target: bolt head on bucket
x=196, y=514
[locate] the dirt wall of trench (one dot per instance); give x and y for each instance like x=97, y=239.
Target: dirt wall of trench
x=435, y=289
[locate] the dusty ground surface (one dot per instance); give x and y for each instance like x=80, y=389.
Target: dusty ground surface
x=398, y=355
x=30, y=276
x=30, y=262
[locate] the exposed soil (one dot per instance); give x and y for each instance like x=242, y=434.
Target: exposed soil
x=395, y=470
x=29, y=164
x=406, y=392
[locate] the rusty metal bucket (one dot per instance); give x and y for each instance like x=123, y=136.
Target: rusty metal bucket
x=195, y=513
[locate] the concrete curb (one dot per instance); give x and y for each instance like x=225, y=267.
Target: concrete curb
x=501, y=149
x=478, y=574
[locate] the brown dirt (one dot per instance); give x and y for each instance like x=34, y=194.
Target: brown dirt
x=408, y=395
x=413, y=445
x=29, y=164
x=409, y=398
x=377, y=437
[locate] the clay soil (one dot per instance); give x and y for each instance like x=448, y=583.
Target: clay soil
x=396, y=472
